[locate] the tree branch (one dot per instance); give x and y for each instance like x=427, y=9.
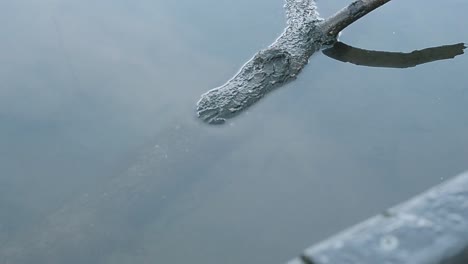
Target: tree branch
x=283, y=60
x=348, y=15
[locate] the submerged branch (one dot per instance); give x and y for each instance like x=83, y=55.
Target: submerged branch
x=280, y=63
x=284, y=59
x=269, y=68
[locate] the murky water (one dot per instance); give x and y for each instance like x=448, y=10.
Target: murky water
x=102, y=159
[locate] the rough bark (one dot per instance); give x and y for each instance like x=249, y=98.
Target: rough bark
x=269, y=68
x=283, y=60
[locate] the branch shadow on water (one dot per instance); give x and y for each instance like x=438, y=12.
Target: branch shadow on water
x=385, y=59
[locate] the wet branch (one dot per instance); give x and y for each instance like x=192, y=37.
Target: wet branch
x=283, y=60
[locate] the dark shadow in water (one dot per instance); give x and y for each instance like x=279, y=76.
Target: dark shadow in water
x=371, y=58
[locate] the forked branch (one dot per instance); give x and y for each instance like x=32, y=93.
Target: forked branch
x=283, y=60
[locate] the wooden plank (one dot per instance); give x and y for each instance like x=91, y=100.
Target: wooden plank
x=431, y=228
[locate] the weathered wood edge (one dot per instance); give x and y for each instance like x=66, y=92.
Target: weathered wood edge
x=431, y=228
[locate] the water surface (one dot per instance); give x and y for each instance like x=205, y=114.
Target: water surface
x=104, y=161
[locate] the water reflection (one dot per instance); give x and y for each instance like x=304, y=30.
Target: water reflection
x=372, y=58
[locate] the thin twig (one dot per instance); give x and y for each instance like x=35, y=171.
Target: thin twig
x=348, y=15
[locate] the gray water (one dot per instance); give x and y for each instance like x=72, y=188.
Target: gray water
x=102, y=158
